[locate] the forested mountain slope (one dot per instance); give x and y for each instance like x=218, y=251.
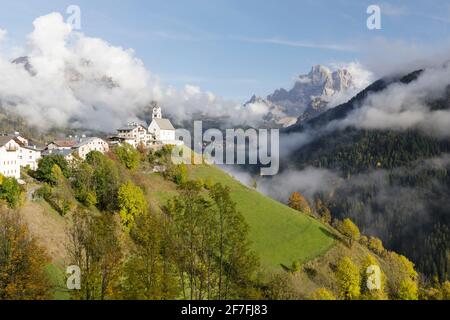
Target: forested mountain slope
x=393, y=182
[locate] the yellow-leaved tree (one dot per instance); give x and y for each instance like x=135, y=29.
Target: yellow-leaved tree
x=348, y=276
x=373, y=280
x=131, y=201
x=350, y=230
x=322, y=294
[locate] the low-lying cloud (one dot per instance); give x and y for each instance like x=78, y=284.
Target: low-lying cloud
x=407, y=106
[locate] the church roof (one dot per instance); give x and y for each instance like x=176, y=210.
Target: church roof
x=164, y=124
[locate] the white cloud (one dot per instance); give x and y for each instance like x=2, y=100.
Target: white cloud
x=298, y=44
x=361, y=78
x=406, y=106
x=86, y=82
x=3, y=33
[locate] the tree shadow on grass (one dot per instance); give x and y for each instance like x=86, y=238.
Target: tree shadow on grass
x=331, y=234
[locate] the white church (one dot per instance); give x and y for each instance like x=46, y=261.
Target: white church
x=159, y=132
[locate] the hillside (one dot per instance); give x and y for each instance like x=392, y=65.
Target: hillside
x=393, y=183
x=280, y=235
x=298, y=255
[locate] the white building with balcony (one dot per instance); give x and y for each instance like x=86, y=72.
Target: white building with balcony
x=9, y=157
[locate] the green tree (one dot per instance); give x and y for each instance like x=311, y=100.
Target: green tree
x=94, y=246
x=350, y=231
x=236, y=262
x=11, y=192
x=149, y=272
x=213, y=251
x=60, y=196
x=322, y=294
x=128, y=156
x=131, y=201
x=194, y=242
x=84, y=185
x=106, y=180
x=177, y=173
x=45, y=167
x=348, y=276
x=22, y=262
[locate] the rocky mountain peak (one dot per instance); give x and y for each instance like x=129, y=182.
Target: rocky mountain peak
x=310, y=94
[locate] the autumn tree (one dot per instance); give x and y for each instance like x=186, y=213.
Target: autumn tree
x=408, y=290
x=298, y=202
x=373, y=280
x=131, y=201
x=348, y=276
x=322, y=211
x=445, y=288
x=281, y=287
x=94, y=246
x=350, y=231
x=322, y=294
x=403, y=282
x=376, y=245
x=22, y=262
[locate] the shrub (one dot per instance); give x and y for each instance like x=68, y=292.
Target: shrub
x=376, y=245
x=128, y=156
x=11, y=192
x=45, y=167
x=322, y=294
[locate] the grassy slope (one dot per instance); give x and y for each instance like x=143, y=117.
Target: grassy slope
x=279, y=234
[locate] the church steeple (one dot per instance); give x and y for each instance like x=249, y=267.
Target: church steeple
x=156, y=112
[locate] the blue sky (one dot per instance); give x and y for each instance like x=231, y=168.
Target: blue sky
x=235, y=48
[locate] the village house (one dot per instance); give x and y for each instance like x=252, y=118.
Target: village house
x=66, y=153
x=86, y=145
x=62, y=144
x=134, y=133
x=9, y=157
x=159, y=132
x=29, y=155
